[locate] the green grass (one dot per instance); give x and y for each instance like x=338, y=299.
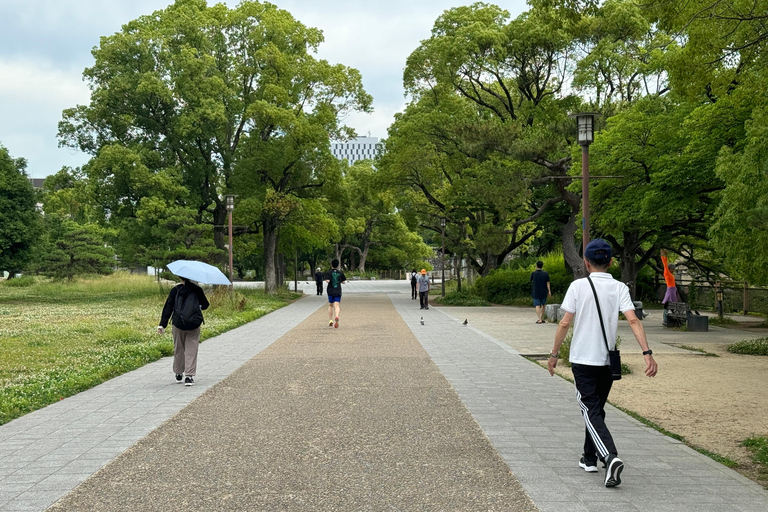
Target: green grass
x=756, y=347
x=696, y=349
x=716, y=320
x=58, y=338
x=758, y=446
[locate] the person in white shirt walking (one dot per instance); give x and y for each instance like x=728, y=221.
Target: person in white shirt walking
x=589, y=354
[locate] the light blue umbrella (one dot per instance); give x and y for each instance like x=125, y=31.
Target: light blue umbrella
x=198, y=271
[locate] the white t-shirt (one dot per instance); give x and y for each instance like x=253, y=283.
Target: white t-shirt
x=587, y=345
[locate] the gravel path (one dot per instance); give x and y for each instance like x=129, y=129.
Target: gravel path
x=355, y=418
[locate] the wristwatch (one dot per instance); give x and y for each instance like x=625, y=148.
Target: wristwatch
x=648, y=352
x=553, y=355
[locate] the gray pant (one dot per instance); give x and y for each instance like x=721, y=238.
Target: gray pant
x=185, y=345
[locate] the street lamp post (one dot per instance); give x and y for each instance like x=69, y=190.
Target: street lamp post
x=230, y=208
x=586, y=135
x=442, y=254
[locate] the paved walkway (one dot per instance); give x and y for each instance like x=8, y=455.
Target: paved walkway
x=529, y=417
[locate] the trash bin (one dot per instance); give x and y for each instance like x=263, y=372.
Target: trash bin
x=698, y=323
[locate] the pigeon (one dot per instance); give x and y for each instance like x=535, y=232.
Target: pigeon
x=422, y=320
x=465, y=322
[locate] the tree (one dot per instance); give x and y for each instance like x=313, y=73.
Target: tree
x=185, y=91
x=666, y=191
x=67, y=194
x=739, y=230
x=19, y=219
x=79, y=249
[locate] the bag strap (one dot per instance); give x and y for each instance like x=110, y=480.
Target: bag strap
x=599, y=314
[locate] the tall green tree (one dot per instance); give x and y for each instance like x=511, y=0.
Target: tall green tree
x=183, y=92
x=739, y=232
x=19, y=220
x=438, y=148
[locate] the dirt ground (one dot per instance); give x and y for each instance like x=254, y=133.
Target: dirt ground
x=715, y=403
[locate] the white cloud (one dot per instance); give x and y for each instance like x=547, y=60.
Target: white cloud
x=36, y=83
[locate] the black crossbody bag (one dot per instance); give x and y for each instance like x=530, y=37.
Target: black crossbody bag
x=613, y=355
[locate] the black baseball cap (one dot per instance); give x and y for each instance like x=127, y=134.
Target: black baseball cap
x=598, y=250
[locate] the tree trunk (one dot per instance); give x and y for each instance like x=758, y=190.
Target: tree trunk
x=459, y=257
x=220, y=229
x=270, y=265
x=363, y=257
x=629, y=271
x=573, y=259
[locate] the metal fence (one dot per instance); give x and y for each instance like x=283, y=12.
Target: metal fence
x=738, y=297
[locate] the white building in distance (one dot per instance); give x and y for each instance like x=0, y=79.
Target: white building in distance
x=361, y=148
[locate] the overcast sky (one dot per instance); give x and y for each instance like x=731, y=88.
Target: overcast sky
x=45, y=46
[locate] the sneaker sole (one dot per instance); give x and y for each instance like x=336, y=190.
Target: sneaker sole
x=336, y=325
x=588, y=469
x=614, y=477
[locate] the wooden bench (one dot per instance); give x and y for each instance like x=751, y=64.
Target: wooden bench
x=676, y=314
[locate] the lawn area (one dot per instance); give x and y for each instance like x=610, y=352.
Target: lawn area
x=58, y=339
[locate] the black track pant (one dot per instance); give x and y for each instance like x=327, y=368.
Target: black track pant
x=413, y=291
x=319, y=287
x=424, y=299
x=593, y=384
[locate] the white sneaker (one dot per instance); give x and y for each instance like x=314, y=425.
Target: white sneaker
x=613, y=472
x=589, y=468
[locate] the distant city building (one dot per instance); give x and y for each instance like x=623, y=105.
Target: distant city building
x=37, y=182
x=361, y=148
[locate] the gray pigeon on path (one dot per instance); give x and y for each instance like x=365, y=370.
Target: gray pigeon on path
x=465, y=322
x=422, y=320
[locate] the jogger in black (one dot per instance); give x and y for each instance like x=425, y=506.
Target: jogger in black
x=594, y=334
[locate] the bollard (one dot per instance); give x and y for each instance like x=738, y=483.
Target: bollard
x=552, y=311
x=638, y=309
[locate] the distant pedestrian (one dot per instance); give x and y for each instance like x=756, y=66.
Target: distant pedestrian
x=540, y=290
x=335, y=278
x=414, y=281
x=594, y=329
x=423, y=284
x=671, y=294
x=319, y=277
x=185, y=303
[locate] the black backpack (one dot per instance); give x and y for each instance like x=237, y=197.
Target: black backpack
x=413, y=279
x=186, y=311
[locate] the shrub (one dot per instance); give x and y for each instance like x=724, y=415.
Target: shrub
x=512, y=282
x=756, y=347
x=462, y=298
x=20, y=282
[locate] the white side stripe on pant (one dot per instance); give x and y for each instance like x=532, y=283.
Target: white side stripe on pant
x=592, y=432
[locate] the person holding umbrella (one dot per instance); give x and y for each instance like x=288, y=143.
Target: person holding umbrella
x=184, y=305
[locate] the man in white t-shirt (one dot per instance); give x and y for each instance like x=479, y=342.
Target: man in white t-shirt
x=589, y=355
